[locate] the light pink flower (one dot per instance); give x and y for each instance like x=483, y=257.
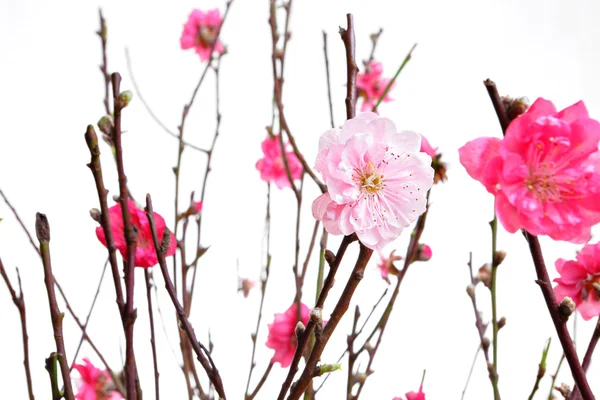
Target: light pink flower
x=272, y=167
x=427, y=148
x=371, y=85
x=282, y=334
x=145, y=254
x=580, y=280
x=386, y=265
x=245, y=285
x=545, y=173
x=96, y=384
x=377, y=180
x=200, y=32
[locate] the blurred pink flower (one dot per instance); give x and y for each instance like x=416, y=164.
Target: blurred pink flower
x=545, y=173
x=272, y=167
x=371, y=85
x=145, y=254
x=386, y=265
x=282, y=334
x=580, y=280
x=245, y=285
x=200, y=32
x=426, y=147
x=96, y=384
x=377, y=180
x=197, y=207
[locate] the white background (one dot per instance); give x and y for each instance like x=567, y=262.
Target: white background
x=51, y=89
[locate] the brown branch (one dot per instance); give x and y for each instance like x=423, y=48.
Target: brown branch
x=207, y=364
x=96, y=167
x=148, y=277
x=326, y=55
x=497, y=102
x=374, y=40
x=131, y=240
x=42, y=230
x=305, y=338
x=340, y=309
x=349, y=43
x=559, y=322
x=260, y=383
x=587, y=359
x=19, y=301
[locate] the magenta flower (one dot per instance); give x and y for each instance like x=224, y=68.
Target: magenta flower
x=272, y=167
x=96, y=384
x=413, y=395
x=376, y=177
x=145, y=254
x=197, y=207
x=580, y=280
x=371, y=85
x=200, y=33
x=424, y=252
x=282, y=334
x=545, y=173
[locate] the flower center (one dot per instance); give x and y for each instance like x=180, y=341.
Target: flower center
x=591, y=286
x=206, y=35
x=369, y=179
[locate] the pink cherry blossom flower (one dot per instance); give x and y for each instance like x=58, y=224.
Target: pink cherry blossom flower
x=580, y=280
x=386, y=265
x=200, y=33
x=376, y=177
x=282, y=334
x=371, y=85
x=96, y=384
x=145, y=254
x=272, y=167
x=544, y=174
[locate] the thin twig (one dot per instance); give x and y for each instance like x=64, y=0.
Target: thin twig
x=42, y=230
x=19, y=301
x=555, y=375
x=102, y=33
x=541, y=370
x=470, y=372
x=374, y=40
x=391, y=82
x=89, y=314
x=148, y=277
x=263, y=287
x=84, y=333
x=328, y=79
x=260, y=383
x=139, y=96
x=20, y=221
x=207, y=364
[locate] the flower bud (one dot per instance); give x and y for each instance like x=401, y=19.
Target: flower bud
x=485, y=343
x=124, y=99
x=316, y=315
x=166, y=241
x=471, y=290
x=42, y=228
x=106, y=125
x=326, y=368
x=499, y=257
x=96, y=215
x=501, y=322
x=424, y=252
x=566, y=307
x=484, y=275
x=299, y=331
x=515, y=107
